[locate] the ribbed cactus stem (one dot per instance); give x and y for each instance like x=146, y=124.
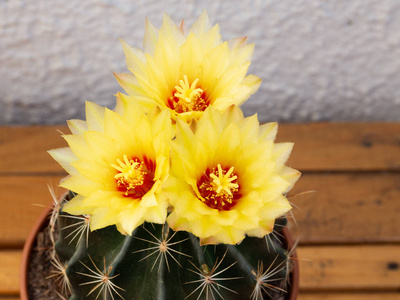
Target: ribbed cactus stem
x=157, y=263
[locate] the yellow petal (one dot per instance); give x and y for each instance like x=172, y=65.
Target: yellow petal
x=150, y=37
x=252, y=82
x=129, y=83
x=274, y=209
x=241, y=53
x=94, y=116
x=157, y=74
x=251, y=157
x=135, y=58
x=268, y=131
x=75, y=207
x=192, y=57
x=201, y=25
x=291, y=175
x=213, y=66
x=229, y=80
x=96, y=171
x=64, y=156
x=281, y=153
x=171, y=53
x=101, y=217
x=100, y=145
x=78, y=145
x=77, y=126
x=132, y=218
x=80, y=185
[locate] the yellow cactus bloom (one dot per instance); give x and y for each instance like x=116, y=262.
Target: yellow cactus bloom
x=228, y=177
x=186, y=71
x=117, y=161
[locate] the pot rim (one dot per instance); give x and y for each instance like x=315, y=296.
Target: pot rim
x=43, y=219
x=26, y=252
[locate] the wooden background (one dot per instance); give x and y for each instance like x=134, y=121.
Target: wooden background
x=348, y=219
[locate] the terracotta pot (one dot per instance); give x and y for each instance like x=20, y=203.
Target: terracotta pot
x=26, y=253
x=43, y=222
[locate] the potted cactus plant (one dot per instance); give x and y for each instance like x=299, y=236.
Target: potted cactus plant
x=175, y=194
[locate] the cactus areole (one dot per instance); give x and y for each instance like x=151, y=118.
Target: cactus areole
x=157, y=263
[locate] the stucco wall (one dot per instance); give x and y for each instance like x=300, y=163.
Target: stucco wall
x=319, y=59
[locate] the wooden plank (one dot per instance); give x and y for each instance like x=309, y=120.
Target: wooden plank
x=344, y=268
x=318, y=147
x=22, y=200
x=347, y=208
x=9, y=275
x=364, y=268
x=349, y=296
x=343, y=146
x=23, y=149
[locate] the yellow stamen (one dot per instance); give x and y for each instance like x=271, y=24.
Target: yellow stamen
x=219, y=188
x=188, y=97
x=222, y=183
x=186, y=92
x=131, y=173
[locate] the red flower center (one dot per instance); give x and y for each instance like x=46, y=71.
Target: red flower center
x=187, y=97
x=135, y=177
x=219, y=188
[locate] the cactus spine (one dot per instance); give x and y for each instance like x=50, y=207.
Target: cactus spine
x=158, y=263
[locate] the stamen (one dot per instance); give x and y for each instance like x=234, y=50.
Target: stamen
x=188, y=97
x=219, y=188
x=224, y=181
x=133, y=176
x=188, y=92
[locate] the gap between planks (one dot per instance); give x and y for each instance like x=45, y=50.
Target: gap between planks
x=347, y=208
x=349, y=296
x=347, y=268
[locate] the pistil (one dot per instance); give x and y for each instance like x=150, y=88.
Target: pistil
x=188, y=97
x=133, y=177
x=219, y=188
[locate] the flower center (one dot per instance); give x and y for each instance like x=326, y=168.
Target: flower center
x=134, y=177
x=187, y=97
x=219, y=188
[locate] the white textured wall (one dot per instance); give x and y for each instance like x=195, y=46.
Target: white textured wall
x=319, y=59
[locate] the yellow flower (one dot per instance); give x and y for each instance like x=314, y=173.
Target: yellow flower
x=117, y=161
x=228, y=177
x=186, y=71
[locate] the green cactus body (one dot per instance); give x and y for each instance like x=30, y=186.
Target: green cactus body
x=158, y=263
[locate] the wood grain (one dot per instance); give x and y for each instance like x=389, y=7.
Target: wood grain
x=352, y=296
x=24, y=149
x=350, y=268
x=22, y=201
x=318, y=147
x=343, y=146
x=9, y=275
x=347, y=208
x=348, y=228
x=344, y=268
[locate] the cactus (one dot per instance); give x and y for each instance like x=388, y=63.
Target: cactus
x=157, y=263
x=176, y=194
